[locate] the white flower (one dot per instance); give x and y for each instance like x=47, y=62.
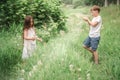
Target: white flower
x=35, y=68
x=79, y=69
x=22, y=71
x=39, y=62
x=88, y=76
x=79, y=78
x=71, y=67
x=30, y=73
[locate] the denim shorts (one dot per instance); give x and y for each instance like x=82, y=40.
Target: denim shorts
x=92, y=43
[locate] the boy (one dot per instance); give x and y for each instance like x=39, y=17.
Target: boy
x=92, y=41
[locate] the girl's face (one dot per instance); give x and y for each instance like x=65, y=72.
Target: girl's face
x=31, y=22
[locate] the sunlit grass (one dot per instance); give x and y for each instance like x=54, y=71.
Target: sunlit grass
x=63, y=58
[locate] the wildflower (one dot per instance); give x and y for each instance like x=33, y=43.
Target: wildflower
x=79, y=69
x=71, y=67
x=79, y=78
x=88, y=76
x=22, y=71
x=39, y=62
x=35, y=68
x=30, y=73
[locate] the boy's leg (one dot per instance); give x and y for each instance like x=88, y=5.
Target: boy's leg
x=86, y=43
x=94, y=46
x=89, y=49
x=94, y=54
x=87, y=46
x=95, y=57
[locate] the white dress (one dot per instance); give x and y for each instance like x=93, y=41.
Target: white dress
x=29, y=45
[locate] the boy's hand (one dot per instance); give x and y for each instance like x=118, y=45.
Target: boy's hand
x=86, y=18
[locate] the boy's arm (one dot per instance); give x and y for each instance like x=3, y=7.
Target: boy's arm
x=94, y=24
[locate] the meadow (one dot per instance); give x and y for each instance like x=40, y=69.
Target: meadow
x=63, y=58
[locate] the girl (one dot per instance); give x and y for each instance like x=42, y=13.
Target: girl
x=29, y=37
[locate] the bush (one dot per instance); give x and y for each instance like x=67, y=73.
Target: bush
x=67, y=1
x=77, y=3
x=99, y=2
x=43, y=11
x=94, y=2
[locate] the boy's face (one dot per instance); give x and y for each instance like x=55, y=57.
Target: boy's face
x=94, y=13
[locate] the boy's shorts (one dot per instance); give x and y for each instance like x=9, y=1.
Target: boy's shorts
x=92, y=42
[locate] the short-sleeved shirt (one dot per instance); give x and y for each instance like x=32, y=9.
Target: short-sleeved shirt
x=95, y=30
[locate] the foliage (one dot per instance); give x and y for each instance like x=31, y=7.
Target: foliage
x=10, y=50
x=64, y=58
x=94, y=2
x=77, y=3
x=67, y=1
x=111, y=38
x=43, y=11
x=99, y=2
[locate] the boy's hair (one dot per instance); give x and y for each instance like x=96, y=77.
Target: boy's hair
x=95, y=8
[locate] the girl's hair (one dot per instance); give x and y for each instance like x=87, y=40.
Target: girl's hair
x=27, y=22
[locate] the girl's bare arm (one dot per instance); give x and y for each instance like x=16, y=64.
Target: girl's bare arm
x=39, y=39
x=25, y=36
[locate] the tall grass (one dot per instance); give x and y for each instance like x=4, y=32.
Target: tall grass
x=63, y=58
x=60, y=58
x=109, y=48
x=10, y=50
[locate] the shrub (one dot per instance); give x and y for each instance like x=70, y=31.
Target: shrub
x=43, y=12
x=94, y=2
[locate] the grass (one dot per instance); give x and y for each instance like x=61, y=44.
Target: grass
x=63, y=58
x=10, y=51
